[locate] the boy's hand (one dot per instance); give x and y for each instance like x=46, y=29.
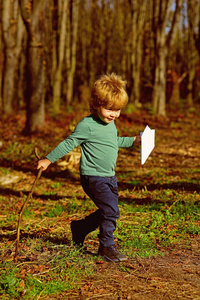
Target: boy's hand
x=137, y=139
x=43, y=163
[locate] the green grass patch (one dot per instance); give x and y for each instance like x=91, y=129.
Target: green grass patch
x=55, y=211
x=4, y=171
x=60, y=270
x=143, y=230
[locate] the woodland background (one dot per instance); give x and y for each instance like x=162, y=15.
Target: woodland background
x=51, y=52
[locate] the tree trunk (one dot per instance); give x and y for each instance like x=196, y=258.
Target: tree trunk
x=35, y=89
x=34, y=16
x=192, y=63
x=194, y=21
x=72, y=30
x=1, y=56
x=163, y=42
x=193, y=18
x=159, y=98
x=59, y=55
x=13, y=31
x=138, y=20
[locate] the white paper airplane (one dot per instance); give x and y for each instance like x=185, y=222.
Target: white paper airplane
x=147, y=143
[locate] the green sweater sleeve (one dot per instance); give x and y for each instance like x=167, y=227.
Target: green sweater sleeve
x=125, y=142
x=78, y=136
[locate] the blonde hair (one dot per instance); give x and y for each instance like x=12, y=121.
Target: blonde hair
x=109, y=91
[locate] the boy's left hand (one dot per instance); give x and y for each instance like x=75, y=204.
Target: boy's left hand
x=137, y=139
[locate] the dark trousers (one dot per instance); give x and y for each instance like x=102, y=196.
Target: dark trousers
x=104, y=193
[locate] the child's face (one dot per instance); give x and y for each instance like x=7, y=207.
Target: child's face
x=108, y=115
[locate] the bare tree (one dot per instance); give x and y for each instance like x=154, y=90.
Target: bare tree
x=166, y=15
x=1, y=56
x=138, y=9
x=71, y=45
x=94, y=51
x=13, y=31
x=34, y=15
x=59, y=52
x=194, y=21
x=193, y=38
x=100, y=25
x=121, y=38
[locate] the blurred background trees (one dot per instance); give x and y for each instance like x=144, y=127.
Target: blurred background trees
x=51, y=52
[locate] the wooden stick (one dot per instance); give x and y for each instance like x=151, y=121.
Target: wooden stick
x=23, y=207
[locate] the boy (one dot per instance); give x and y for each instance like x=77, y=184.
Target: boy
x=97, y=136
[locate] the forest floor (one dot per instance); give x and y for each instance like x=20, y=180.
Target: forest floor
x=159, y=226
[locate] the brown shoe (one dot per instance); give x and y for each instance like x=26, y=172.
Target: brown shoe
x=111, y=254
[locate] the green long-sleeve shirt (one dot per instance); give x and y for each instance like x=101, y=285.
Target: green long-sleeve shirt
x=99, y=146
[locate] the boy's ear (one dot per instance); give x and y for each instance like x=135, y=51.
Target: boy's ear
x=95, y=107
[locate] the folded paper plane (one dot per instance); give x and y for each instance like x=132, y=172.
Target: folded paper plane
x=147, y=143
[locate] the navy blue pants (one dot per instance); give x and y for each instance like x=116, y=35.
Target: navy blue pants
x=104, y=193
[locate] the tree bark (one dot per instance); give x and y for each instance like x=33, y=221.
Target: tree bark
x=59, y=54
x=1, y=56
x=193, y=38
x=13, y=31
x=194, y=21
x=162, y=43
x=34, y=16
x=72, y=30
x=138, y=9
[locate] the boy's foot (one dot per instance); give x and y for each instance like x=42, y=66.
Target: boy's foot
x=111, y=254
x=78, y=232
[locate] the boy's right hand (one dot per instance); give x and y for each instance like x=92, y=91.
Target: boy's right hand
x=43, y=163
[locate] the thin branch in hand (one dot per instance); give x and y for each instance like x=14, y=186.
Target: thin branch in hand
x=23, y=207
